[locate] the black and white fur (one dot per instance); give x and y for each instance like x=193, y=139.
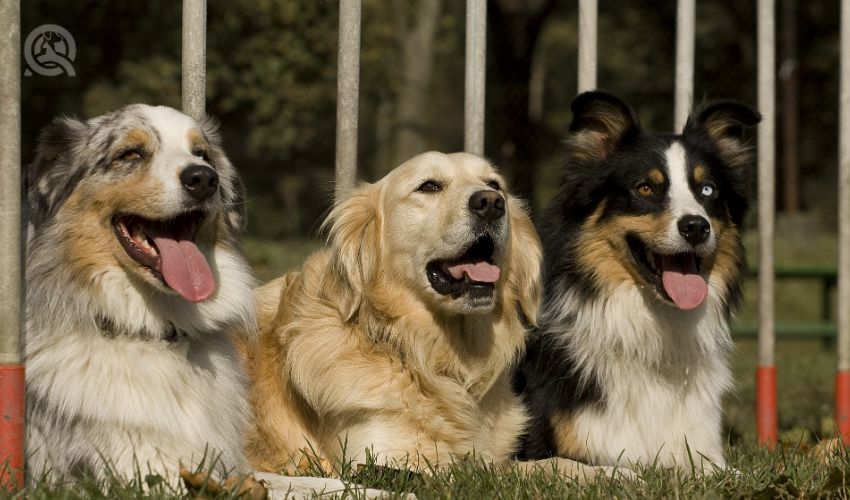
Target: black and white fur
x=121, y=369
x=617, y=373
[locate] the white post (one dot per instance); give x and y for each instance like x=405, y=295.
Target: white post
x=476, y=59
x=685, y=20
x=766, y=375
x=12, y=405
x=842, y=376
x=844, y=197
x=10, y=183
x=587, y=12
x=348, y=93
x=194, y=57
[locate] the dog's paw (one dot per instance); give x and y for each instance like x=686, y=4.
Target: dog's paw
x=202, y=485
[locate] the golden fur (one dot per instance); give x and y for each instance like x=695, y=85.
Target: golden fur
x=357, y=350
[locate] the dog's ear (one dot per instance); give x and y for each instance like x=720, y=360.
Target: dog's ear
x=356, y=241
x=724, y=123
x=525, y=259
x=232, y=189
x=601, y=122
x=55, y=172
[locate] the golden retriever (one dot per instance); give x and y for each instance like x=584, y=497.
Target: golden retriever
x=401, y=336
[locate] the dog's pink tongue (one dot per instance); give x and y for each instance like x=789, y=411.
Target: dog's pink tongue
x=481, y=272
x=685, y=287
x=185, y=268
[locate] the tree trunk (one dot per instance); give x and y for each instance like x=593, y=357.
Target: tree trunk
x=514, y=27
x=416, y=39
x=789, y=75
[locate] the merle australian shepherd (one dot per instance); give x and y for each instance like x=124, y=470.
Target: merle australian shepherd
x=134, y=278
x=643, y=265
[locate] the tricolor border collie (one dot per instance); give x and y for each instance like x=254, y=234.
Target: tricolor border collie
x=643, y=263
x=134, y=280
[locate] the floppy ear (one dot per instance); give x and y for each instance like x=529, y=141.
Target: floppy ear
x=356, y=242
x=601, y=122
x=724, y=123
x=232, y=189
x=54, y=173
x=525, y=259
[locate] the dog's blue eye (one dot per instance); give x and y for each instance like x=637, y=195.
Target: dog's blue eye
x=708, y=190
x=430, y=187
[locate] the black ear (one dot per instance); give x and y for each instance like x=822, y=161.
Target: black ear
x=55, y=172
x=601, y=122
x=724, y=122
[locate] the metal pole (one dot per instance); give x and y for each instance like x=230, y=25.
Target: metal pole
x=587, y=11
x=11, y=366
x=476, y=59
x=766, y=417
x=348, y=92
x=842, y=376
x=194, y=57
x=686, y=18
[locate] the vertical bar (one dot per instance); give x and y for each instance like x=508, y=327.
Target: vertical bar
x=685, y=21
x=194, y=57
x=842, y=383
x=587, y=12
x=476, y=59
x=11, y=366
x=766, y=417
x=348, y=89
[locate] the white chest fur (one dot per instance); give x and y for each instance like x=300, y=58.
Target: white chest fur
x=661, y=372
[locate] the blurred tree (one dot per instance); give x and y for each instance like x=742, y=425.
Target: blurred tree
x=272, y=83
x=416, y=35
x=514, y=27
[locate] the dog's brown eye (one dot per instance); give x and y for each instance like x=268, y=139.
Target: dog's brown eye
x=495, y=185
x=200, y=153
x=430, y=187
x=130, y=155
x=644, y=189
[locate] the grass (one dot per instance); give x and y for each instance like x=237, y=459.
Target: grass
x=805, y=370
x=754, y=474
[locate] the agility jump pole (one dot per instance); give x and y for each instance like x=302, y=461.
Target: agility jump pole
x=12, y=391
x=476, y=61
x=766, y=410
x=194, y=72
x=587, y=14
x=842, y=375
x=684, y=93
x=347, y=95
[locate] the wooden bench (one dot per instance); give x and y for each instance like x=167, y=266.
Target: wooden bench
x=824, y=328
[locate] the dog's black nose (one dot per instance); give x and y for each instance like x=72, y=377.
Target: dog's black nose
x=694, y=228
x=489, y=205
x=200, y=181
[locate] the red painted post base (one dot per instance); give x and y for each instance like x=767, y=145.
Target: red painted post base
x=11, y=426
x=767, y=421
x=842, y=404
